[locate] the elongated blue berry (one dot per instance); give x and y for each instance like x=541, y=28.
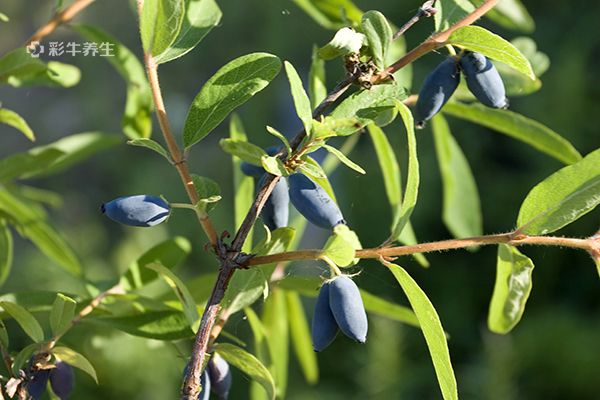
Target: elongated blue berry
x=205, y=383
x=220, y=376
x=37, y=384
x=257, y=170
x=275, y=213
x=313, y=202
x=348, y=309
x=62, y=380
x=483, y=80
x=140, y=210
x=437, y=88
x=324, y=328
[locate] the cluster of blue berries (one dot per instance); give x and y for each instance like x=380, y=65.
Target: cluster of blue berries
x=339, y=307
x=483, y=80
x=61, y=377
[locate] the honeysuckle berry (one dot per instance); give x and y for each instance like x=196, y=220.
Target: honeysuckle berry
x=36, y=386
x=141, y=210
x=275, y=213
x=220, y=376
x=437, y=88
x=62, y=380
x=348, y=309
x=257, y=170
x=205, y=383
x=324, y=327
x=483, y=80
x=313, y=202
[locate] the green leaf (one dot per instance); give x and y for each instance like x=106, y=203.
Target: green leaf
x=274, y=165
x=6, y=252
x=200, y=17
x=412, y=180
x=183, y=294
x=510, y=14
x=281, y=137
x=56, y=74
x=379, y=35
x=330, y=127
x=31, y=225
x=26, y=321
x=317, y=85
x=345, y=41
x=511, y=290
x=4, y=17
x=63, y=311
x=23, y=356
x=3, y=335
x=517, y=126
x=476, y=38
x=249, y=285
x=369, y=105
x=209, y=192
x=19, y=63
x=243, y=185
x=137, y=117
x=345, y=160
x=339, y=250
x=392, y=180
x=13, y=119
x=517, y=84
x=151, y=145
x=160, y=24
x=75, y=149
x=300, y=336
x=331, y=14
x=449, y=12
x=349, y=236
x=248, y=364
x=313, y=170
x=22, y=165
x=75, y=359
x=387, y=309
x=169, y=253
x=275, y=321
x=432, y=330
x=562, y=198
x=301, y=100
x=229, y=88
x=160, y=325
x=244, y=150
x=461, y=209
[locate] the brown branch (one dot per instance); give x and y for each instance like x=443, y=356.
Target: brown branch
x=58, y=19
x=435, y=41
x=426, y=10
x=590, y=244
x=177, y=155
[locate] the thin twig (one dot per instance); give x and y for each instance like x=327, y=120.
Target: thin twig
x=507, y=238
x=177, y=155
x=58, y=19
x=426, y=10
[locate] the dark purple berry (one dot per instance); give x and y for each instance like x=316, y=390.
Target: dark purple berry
x=483, y=80
x=348, y=309
x=62, y=380
x=313, y=202
x=437, y=88
x=324, y=328
x=37, y=384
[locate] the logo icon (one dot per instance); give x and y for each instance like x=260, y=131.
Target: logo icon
x=35, y=49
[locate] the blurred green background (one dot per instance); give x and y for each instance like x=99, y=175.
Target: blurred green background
x=554, y=353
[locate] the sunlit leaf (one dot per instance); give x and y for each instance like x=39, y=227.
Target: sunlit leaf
x=13, y=119
x=75, y=359
x=25, y=319
x=160, y=23
x=301, y=100
x=300, y=336
x=62, y=313
x=379, y=36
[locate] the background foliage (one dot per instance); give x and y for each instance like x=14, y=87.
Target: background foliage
x=553, y=353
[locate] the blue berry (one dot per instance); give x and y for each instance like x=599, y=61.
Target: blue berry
x=348, y=309
x=220, y=376
x=276, y=210
x=141, y=210
x=37, y=384
x=205, y=382
x=483, y=80
x=62, y=380
x=437, y=88
x=313, y=202
x=324, y=328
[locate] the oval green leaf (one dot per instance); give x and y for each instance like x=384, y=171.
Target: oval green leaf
x=26, y=321
x=13, y=119
x=379, y=36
